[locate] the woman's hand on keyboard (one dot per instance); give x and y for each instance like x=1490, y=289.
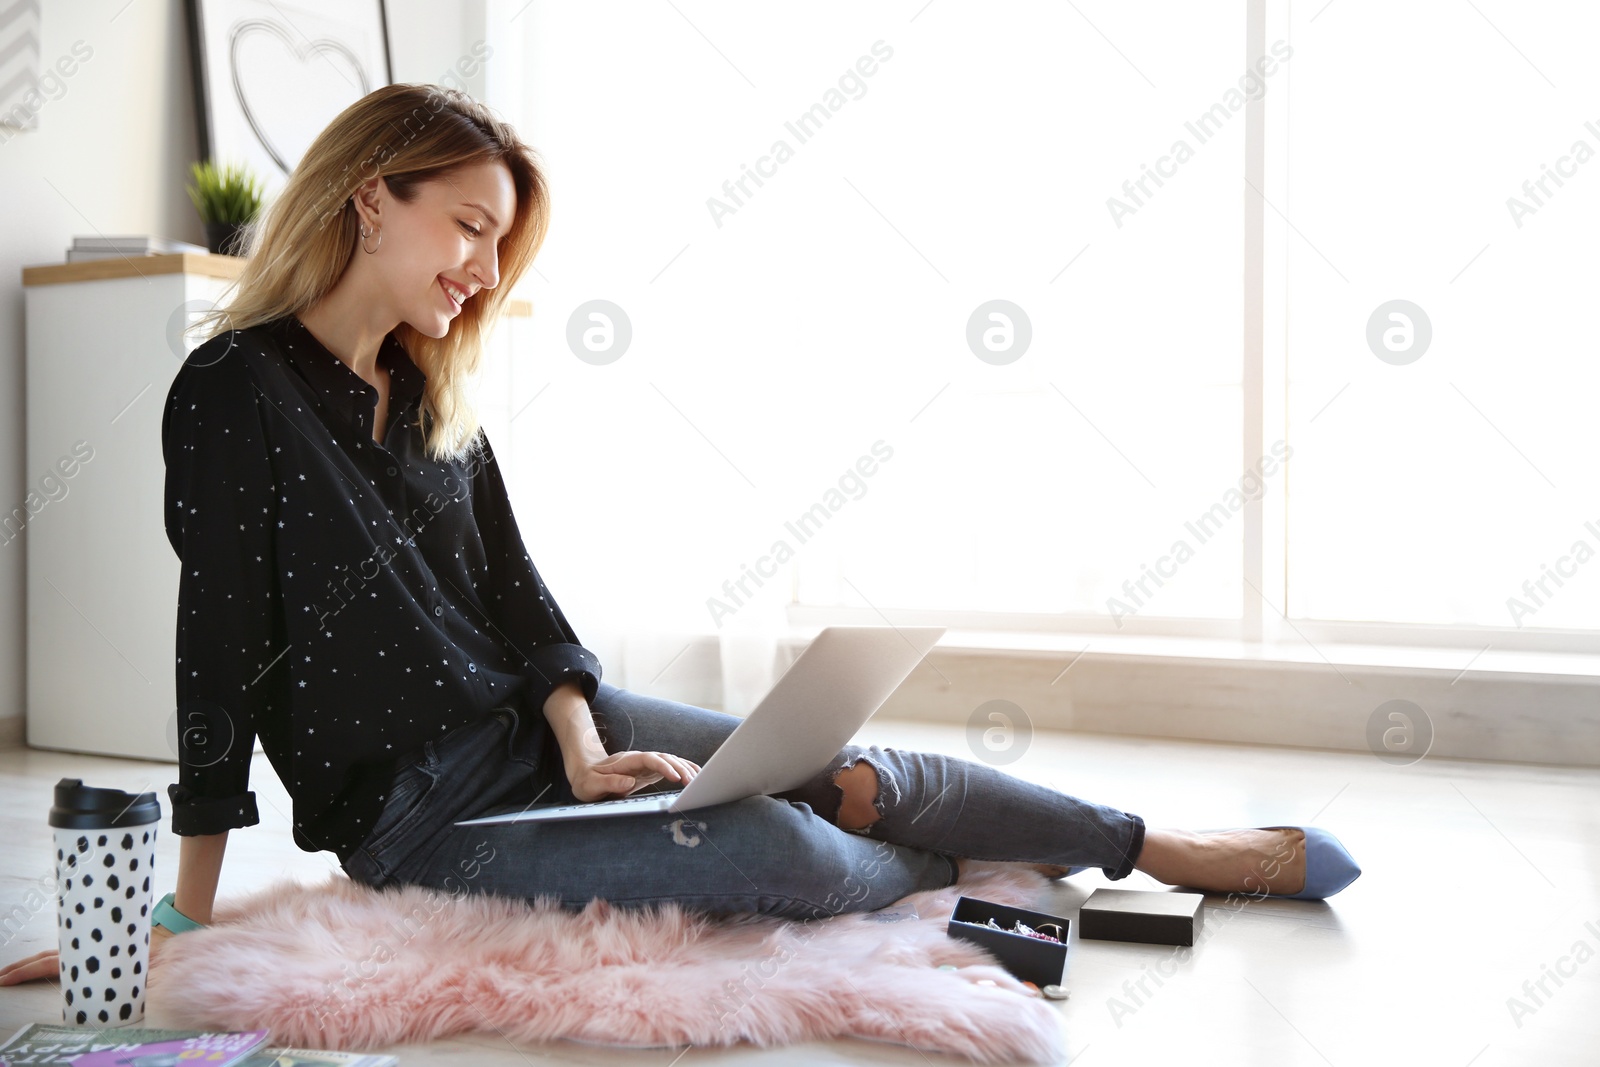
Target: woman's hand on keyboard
x=621, y=773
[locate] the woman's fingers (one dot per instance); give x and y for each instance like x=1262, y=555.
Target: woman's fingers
x=647, y=768
x=677, y=768
x=42, y=954
x=45, y=964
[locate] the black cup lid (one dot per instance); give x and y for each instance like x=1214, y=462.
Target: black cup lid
x=82, y=807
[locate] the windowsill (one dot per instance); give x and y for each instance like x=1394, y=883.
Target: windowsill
x=1414, y=659
x=1453, y=661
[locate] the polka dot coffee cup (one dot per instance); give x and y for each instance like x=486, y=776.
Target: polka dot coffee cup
x=105, y=865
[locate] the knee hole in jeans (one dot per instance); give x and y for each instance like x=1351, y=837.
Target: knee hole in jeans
x=860, y=796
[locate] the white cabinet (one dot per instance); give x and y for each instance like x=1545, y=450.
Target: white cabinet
x=103, y=344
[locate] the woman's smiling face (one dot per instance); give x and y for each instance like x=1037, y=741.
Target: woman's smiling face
x=443, y=247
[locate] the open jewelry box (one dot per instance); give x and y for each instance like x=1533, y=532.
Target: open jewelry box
x=1027, y=958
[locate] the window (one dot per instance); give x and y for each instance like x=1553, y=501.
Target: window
x=1450, y=481
x=830, y=235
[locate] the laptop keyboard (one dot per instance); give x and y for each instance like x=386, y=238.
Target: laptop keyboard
x=636, y=799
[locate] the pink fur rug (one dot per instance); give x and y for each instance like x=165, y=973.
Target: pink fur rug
x=342, y=966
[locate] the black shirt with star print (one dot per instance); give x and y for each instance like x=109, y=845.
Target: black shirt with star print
x=342, y=600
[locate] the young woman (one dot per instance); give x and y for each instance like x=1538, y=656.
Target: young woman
x=356, y=593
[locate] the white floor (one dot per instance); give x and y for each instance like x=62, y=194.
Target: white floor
x=1479, y=878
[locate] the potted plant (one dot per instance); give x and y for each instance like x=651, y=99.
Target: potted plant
x=228, y=199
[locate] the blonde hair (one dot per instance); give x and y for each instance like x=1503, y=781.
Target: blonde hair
x=301, y=244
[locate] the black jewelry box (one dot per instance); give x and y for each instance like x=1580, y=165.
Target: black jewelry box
x=1027, y=958
x=1145, y=916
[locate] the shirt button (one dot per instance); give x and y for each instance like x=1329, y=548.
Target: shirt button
x=438, y=609
x=473, y=667
x=391, y=470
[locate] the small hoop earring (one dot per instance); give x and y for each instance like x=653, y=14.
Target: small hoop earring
x=364, y=235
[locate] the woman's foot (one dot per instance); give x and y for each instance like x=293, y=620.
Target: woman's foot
x=1227, y=861
x=1281, y=861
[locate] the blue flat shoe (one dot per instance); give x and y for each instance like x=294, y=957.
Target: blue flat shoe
x=1329, y=867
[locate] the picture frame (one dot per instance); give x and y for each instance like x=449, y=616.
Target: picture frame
x=269, y=75
x=22, y=95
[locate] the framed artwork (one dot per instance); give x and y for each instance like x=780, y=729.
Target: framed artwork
x=269, y=75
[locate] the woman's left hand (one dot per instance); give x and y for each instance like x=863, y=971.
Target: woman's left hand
x=47, y=962
x=622, y=773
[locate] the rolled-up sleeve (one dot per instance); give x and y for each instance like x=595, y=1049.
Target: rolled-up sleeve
x=521, y=604
x=220, y=514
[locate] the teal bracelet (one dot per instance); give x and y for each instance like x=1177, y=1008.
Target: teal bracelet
x=170, y=917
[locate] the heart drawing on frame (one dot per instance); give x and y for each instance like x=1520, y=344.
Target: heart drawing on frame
x=266, y=62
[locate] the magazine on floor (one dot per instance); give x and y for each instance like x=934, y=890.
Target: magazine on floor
x=56, y=1045
x=47, y=1045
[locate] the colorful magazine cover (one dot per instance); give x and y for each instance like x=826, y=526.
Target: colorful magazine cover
x=199, y=1050
x=46, y=1045
x=50, y=1045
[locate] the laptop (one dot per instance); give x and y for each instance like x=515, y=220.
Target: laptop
x=813, y=711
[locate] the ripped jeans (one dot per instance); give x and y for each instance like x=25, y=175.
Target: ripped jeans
x=782, y=854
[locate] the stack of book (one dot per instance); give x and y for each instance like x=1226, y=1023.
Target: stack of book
x=41, y=1045
x=87, y=248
